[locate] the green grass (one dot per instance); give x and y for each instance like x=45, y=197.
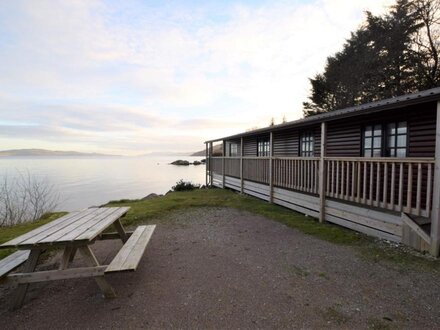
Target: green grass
x=144, y=211
x=369, y=248
x=8, y=233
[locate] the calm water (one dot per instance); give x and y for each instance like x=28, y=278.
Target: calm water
x=83, y=182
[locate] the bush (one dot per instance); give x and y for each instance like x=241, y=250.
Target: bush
x=25, y=198
x=185, y=186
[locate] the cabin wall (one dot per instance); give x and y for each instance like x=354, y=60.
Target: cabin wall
x=344, y=136
x=229, y=142
x=422, y=131
x=286, y=143
x=250, y=146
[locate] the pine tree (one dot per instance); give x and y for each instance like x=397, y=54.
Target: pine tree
x=389, y=55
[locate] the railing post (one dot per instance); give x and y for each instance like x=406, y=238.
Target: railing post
x=210, y=163
x=322, y=173
x=241, y=165
x=206, y=164
x=271, y=168
x=435, y=215
x=223, y=163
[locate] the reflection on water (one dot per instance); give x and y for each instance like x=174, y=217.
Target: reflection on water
x=83, y=182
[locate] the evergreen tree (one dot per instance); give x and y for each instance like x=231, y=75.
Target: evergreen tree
x=389, y=55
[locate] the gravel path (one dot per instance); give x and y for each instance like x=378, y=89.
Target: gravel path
x=223, y=268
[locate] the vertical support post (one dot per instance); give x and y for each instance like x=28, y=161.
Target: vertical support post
x=206, y=164
x=435, y=215
x=223, y=163
x=322, y=173
x=241, y=165
x=210, y=163
x=91, y=261
x=271, y=168
x=29, y=267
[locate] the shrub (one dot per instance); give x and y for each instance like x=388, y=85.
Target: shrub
x=25, y=198
x=185, y=186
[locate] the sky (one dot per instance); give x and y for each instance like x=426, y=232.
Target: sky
x=133, y=77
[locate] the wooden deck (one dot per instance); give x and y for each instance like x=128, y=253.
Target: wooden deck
x=364, y=194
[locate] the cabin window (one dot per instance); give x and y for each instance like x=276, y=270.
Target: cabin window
x=397, y=139
x=307, y=144
x=263, y=147
x=233, y=150
x=372, y=141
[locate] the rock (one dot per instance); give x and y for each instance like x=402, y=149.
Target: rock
x=180, y=162
x=196, y=162
x=203, y=161
x=150, y=196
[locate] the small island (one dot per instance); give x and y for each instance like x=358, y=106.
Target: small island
x=181, y=162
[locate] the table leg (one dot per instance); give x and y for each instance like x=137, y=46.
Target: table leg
x=29, y=267
x=72, y=255
x=91, y=261
x=68, y=254
x=121, y=231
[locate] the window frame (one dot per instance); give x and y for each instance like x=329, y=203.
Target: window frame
x=385, y=148
x=372, y=137
x=396, y=135
x=309, y=135
x=235, y=145
x=264, y=151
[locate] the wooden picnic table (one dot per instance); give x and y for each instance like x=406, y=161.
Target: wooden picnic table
x=72, y=232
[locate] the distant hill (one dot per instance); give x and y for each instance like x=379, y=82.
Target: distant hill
x=165, y=153
x=216, y=151
x=44, y=152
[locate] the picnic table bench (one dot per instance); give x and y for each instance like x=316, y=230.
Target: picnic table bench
x=72, y=232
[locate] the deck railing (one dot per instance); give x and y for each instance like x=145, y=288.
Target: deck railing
x=232, y=166
x=256, y=169
x=396, y=184
x=299, y=173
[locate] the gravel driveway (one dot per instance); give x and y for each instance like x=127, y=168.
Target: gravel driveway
x=224, y=268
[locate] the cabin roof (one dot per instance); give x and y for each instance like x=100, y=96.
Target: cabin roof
x=382, y=105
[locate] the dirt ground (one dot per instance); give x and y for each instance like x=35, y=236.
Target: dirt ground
x=223, y=268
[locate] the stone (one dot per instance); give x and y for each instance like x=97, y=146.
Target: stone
x=180, y=162
x=150, y=196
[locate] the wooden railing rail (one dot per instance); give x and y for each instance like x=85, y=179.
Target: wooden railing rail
x=256, y=169
x=299, y=173
x=397, y=184
x=232, y=166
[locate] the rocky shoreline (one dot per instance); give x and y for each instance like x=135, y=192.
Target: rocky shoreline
x=181, y=162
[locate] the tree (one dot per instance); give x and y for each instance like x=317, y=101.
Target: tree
x=426, y=42
x=25, y=198
x=389, y=55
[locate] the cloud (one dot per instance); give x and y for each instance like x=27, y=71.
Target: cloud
x=134, y=77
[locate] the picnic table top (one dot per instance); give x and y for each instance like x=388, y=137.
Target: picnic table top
x=76, y=227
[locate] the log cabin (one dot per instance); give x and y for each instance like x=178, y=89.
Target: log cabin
x=372, y=168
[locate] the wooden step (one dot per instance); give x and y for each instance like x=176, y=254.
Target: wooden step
x=131, y=253
x=12, y=261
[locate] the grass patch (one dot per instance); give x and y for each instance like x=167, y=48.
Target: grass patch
x=324, y=275
x=335, y=315
x=298, y=271
x=378, y=324
x=369, y=248
x=8, y=233
x=144, y=211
